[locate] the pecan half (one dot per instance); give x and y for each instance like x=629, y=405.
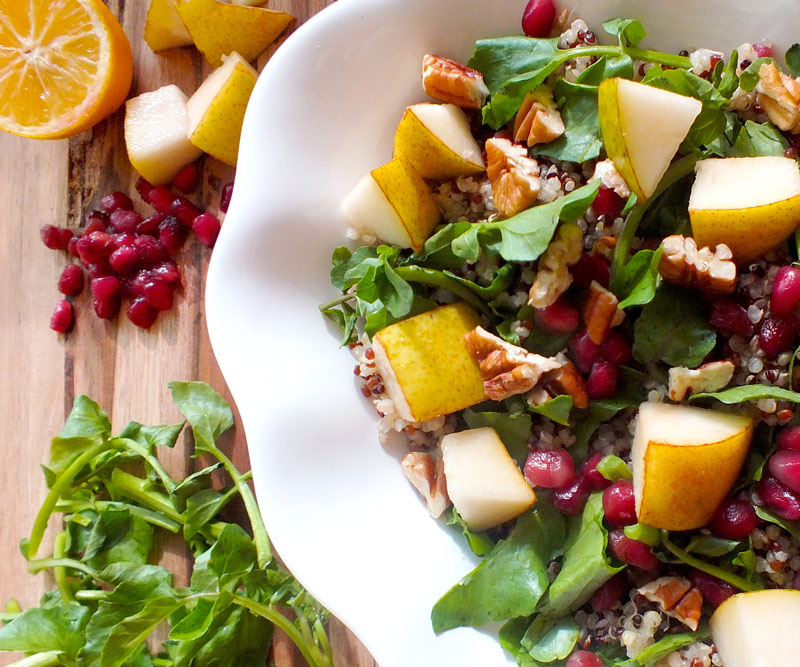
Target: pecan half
x=513, y=175
x=426, y=474
x=709, y=377
x=568, y=380
x=506, y=369
x=600, y=312
x=449, y=81
x=710, y=271
x=538, y=120
x=677, y=598
x=779, y=95
x=553, y=277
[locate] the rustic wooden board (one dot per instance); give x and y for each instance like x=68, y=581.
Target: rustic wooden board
x=123, y=368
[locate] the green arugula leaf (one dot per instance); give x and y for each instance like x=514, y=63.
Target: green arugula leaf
x=510, y=580
x=479, y=543
x=636, y=284
x=792, y=58
x=673, y=328
x=57, y=628
x=629, y=32
x=207, y=412
x=750, y=392
x=556, y=409
x=514, y=429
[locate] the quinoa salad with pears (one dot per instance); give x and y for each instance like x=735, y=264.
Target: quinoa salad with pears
x=574, y=291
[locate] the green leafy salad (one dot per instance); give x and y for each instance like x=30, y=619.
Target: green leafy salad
x=574, y=291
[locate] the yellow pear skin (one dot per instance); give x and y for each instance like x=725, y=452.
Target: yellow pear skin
x=425, y=365
x=163, y=27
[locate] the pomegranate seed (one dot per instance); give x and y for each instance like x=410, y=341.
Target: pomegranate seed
x=100, y=270
x=114, y=201
x=593, y=476
x=610, y=593
x=71, y=281
x=584, y=659
x=590, y=267
x=62, y=317
x=206, y=227
x=785, y=465
x=123, y=220
x=55, y=238
x=789, y=438
x=729, y=317
x=161, y=199
x=172, y=234
x=619, y=504
x=105, y=287
x=763, y=50
x=785, y=291
x=558, y=319
x=602, y=380
x=184, y=210
x=188, y=178
x=715, y=591
x=141, y=313
x=550, y=469
x=570, y=499
x=538, y=17
x=157, y=294
x=124, y=260
x=151, y=251
x=96, y=221
x=616, y=348
x=94, y=248
x=584, y=351
x=150, y=225
x=144, y=188
x=119, y=240
x=778, y=335
x=108, y=307
x=225, y=197
x=632, y=552
x=779, y=498
x=72, y=246
x=734, y=520
x=608, y=204
x=167, y=272
x=135, y=285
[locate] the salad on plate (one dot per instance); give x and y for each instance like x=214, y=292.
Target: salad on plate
x=574, y=292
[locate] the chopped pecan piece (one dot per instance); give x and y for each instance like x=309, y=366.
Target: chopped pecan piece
x=514, y=176
x=506, y=369
x=449, y=81
x=600, y=312
x=553, y=277
x=568, y=380
x=710, y=271
x=426, y=474
x=604, y=246
x=709, y=377
x=779, y=95
x=676, y=597
x=538, y=120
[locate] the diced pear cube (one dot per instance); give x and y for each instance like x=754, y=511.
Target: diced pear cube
x=163, y=28
x=425, y=365
x=483, y=481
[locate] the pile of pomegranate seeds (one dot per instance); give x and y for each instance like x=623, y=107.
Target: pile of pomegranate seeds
x=130, y=258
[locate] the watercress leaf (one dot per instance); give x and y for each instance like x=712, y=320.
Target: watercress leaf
x=201, y=508
x=232, y=556
x=128, y=541
x=668, y=214
x=152, y=437
x=790, y=526
x=400, y=297
x=86, y=420
x=510, y=580
x=345, y=318
x=197, y=481
x=636, y=284
x=581, y=140
x=747, y=560
x=479, y=543
x=607, y=67
x=663, y=647
x=759, y=139
x=707, y=545
x=548, y=640
x=792, y=58
x=513, y=429
x=467, y=246
x=437, y=252
x=585, y=566
x=194, y=624
x=544, y=343
x=344, y=263
x=502, y=280
x=629, y=31
x=613, y=468
x=207, y=412
x=749, y=78
x=56, y=628
x=644, y=533
x=673, y=328
x=63, y=451
x=750, y=392
x=556, y=409
x=728, y=80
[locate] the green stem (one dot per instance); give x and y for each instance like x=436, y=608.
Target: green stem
x=136, y=448
x=646, y=55
x=91, y=595
x=60, y=573
x=260, y=535
x=61, y=484
x=151, y=517
x=338, y=301
x=39, y=564
x=39, y=660
x=713, y=570
x=676, y=172
x=434, y=278
x=136, y=488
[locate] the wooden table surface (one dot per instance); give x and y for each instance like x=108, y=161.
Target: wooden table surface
x=124, y=368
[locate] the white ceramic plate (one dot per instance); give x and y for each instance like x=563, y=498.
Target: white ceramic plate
x=336, y=503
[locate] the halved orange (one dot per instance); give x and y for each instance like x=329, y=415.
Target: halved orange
x=64, y=66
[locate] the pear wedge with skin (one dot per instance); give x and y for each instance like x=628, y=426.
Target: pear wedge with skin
x=163, y=27
x=642, y=128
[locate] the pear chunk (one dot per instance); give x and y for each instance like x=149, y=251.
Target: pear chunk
x=425, y=365
x=436, y=139
x=156, y=134
x=751, y=204
x=483, y=481
x=163, y=28
x=642, y=128
x=394, y=203
x=685, y=462
x=758, y=629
